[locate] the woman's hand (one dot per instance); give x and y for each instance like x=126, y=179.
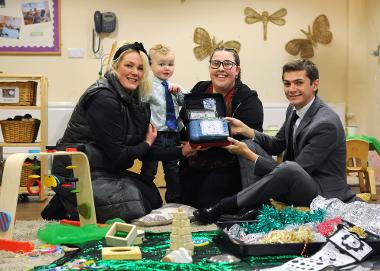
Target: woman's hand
x=240, y=148
x=151, y=135
x=239, y=127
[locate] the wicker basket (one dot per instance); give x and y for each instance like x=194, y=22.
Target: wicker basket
x=20, y=131
x=27, y=92
x=25, y=173
x=27, y=170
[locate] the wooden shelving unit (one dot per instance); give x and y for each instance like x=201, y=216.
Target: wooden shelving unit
x=41, y=106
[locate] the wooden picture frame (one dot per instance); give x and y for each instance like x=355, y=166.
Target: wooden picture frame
x=30, y=28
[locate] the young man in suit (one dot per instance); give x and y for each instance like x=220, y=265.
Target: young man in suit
x=313, y=141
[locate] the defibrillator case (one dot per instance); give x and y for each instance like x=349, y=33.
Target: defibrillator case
x=206, y=126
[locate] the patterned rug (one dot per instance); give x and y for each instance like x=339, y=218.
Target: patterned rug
x=26, y=230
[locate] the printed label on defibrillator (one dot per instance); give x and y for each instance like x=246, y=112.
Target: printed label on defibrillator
x=213, y=127
x=201, y=114
x=208, y=130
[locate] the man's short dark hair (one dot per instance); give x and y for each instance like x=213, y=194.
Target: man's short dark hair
x=306, y=65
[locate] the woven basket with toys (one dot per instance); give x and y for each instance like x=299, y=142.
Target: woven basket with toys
x=20, y=129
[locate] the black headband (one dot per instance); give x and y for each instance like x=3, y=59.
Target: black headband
x=137, y=46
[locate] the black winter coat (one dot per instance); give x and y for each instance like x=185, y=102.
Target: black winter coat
x=112, y=123
x=214, y=173
x=245, y=106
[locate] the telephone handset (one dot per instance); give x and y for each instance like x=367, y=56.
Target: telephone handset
x=104, y=22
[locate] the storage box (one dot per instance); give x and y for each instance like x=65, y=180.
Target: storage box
x=206, y=126
x=18, y=93
x=20, y=131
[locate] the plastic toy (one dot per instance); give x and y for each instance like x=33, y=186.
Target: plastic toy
x=5, y=221
x=16, y=246
x=77, y=223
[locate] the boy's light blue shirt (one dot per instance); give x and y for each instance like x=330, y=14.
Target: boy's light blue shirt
x=157, y=103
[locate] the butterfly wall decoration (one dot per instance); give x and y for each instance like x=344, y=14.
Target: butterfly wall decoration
x=206, y=44
x=320, y=34
x=252, y=16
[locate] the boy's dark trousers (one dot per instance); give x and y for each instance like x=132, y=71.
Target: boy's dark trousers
x=165, y=139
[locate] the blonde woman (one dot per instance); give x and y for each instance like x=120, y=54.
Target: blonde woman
x=113, y=125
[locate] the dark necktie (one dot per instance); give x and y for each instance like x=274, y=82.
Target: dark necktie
x=290, y=150
x=171, y=120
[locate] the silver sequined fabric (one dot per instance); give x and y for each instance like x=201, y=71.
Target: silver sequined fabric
x=360, y=213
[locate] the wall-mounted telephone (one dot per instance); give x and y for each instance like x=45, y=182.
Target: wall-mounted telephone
x=104, y=22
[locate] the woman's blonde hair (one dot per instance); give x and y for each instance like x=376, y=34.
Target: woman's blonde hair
x=145, y=85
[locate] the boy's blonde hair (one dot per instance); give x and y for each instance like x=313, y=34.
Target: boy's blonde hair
x=160, y=49
x=145, y=86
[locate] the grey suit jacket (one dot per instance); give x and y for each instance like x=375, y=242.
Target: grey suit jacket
x=320, y=149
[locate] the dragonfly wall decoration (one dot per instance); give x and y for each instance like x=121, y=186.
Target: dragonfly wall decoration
x=252, y=16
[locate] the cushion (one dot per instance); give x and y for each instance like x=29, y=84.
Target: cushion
x=163, y=215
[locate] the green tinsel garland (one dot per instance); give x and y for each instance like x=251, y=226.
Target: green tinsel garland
x=272, y=219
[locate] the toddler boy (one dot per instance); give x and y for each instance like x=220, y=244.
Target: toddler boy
x=164, y=103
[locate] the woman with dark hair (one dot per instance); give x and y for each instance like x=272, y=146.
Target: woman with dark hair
x=113, y=125
x=214, y=173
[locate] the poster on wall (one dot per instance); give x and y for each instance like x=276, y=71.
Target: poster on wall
x=30, y=27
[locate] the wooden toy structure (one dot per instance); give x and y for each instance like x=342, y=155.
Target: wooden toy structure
x=11, y=183
x=181, y=232
x=129, y=230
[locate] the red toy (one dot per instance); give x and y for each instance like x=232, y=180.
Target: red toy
x=77, y=223
x=16, y=246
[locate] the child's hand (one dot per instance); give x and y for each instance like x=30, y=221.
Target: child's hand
x=187, y=150
x=151, y=135
x=174, y=88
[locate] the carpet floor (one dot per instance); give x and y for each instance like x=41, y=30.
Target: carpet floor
x=26, y=230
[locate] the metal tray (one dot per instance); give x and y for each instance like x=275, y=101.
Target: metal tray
x=239, y=248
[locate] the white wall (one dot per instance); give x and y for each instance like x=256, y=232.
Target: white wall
x=59, y=114
x=173, y=22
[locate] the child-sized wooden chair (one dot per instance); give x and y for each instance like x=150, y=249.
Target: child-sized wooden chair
x=357, y=162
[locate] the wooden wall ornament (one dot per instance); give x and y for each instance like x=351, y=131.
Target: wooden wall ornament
x=252, y=16
x=320, y=34
x=206, y=45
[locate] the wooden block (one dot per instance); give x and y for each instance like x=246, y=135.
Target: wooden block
x=121, y=253
x=115, y=241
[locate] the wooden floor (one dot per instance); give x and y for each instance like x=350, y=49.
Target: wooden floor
x=32, y=208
